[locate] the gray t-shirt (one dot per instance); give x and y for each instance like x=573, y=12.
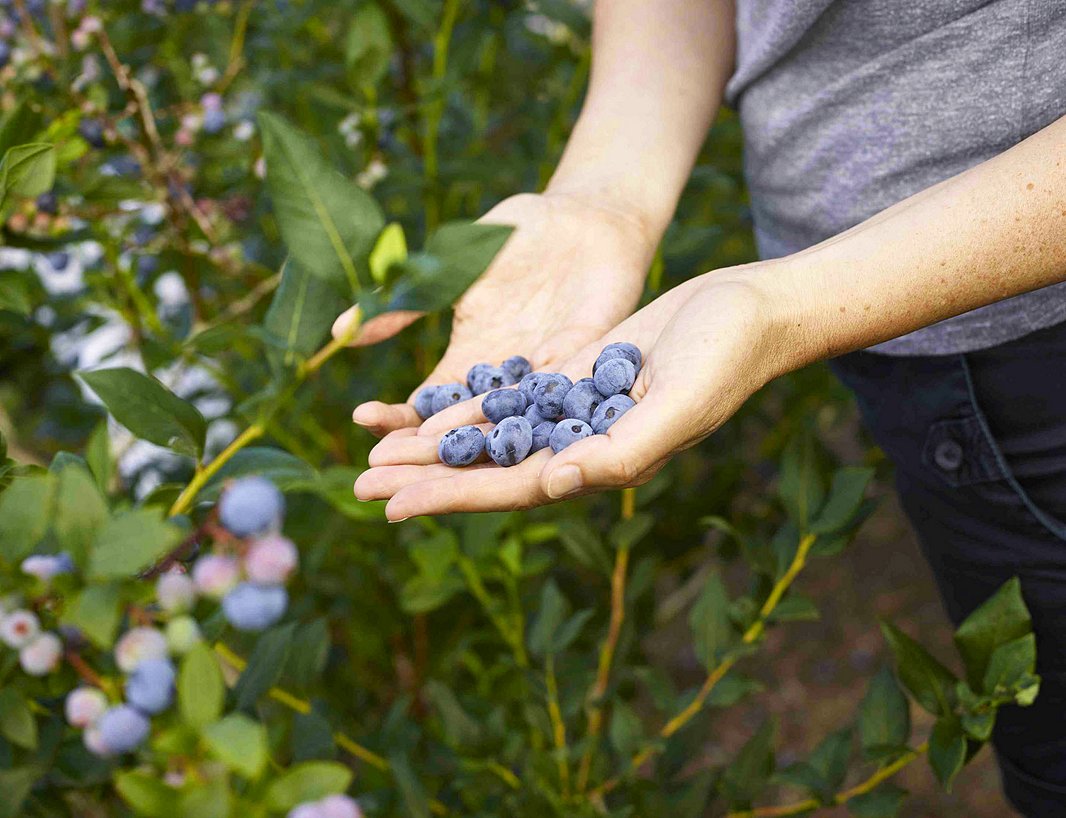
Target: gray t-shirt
x=849, y=106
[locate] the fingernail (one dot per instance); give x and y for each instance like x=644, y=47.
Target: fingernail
x=355, y=417
x=399, y=520
x=563, y=481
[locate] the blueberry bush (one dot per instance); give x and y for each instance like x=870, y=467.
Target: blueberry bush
x=196, y=616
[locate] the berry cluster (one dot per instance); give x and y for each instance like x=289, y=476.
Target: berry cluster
x=332, y=806
x=542, y=409
x=39, y=650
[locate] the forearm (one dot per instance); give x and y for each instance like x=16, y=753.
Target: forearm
x=658, y=73
x=992, y=232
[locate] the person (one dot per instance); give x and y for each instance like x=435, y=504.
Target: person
x=907, y=171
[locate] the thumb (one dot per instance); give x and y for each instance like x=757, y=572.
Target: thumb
x=377, y=329
x=631, y=452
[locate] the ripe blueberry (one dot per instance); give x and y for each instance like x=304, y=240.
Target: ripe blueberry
x=92, y=131
x=581, y=401
x=251, y=607
x=528, y=383
x=568, y=431
x=48, y=203
x=449, y=395
x=509, y=443
x=41, y=656
x=615, y=376
x=46, y=566
x=517, y=366
x=251, y=505
x=609, y=411
x=424, y=401
x=462, y=446
x=619, y=350
x=550, y=392
x=122, y=729
x=150, y=688
x=541, y=435
x=484, y=378
x=503, y=403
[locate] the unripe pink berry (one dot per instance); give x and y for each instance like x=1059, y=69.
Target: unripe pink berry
x=308, y=810
x=139, y=644
x=271, y=559
x=84, y=706
x=94, y=742
x=175, y=591
x=339, y=806
x=215, y=575
x=19, y=628
x=41, y=656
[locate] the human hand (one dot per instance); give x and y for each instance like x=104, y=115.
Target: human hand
x=572, y=269
x=708, y=345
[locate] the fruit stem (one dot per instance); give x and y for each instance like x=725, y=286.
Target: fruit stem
x=185, y=499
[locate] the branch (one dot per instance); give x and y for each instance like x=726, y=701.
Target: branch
x=558, y=726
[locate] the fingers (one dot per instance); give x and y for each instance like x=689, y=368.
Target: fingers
x=382, y=418
x=382, y=482
x=409, y=447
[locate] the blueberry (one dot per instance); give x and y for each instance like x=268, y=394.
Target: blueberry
x=510, y=442
x=123, y=729
x=214, y=121
x=251, y=607
x=535, y=418
x=518, y=366
x=449, y=395
x=568, y=431
x=550, y=392
x=462, y=446
x=609, y=411
x=5, y=53
x=251, y=505
x=150, y=688
x=615, y=376
x=48, y=203
x=59, y=260
x=147, y=265
x=541, y=435
x=581, y=401
x=92, y=131
x=424, y=401
x=503, y=403
x=528, y=384
x=484, y=378
x=619, y=350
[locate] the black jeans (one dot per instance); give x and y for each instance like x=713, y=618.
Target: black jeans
x=979, y=445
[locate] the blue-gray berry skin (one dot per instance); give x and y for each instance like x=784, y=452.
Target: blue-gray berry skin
x=528, y=384
x=123, y=729
x=150, y=687
x=550, y=392
x=517, y=366
x=568, y=431
x=251, y=505
x=449, y=395
x=621, y=349
x=615, y=376
x=251, y=607
x=542, y=433
x=609, y=411
x=535, y=418
x=509, y=443
x=424, y=401
x=503, y=403
x=484, y=378
x=462, y=446
x=581, y=401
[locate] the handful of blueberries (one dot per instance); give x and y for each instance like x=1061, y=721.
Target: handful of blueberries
x=544, y=409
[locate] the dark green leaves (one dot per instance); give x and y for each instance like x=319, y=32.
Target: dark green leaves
x=947, y=750
x=240, y=743
x=96, y=610
x=750, y=770
x=148, y=409
x=25, y=514
x=265, y=665
x=583, y=543
x=328, y=223
x=800, y=484
x=930, y=683
x=131, y=542
x=884, y=802
x=554, y=629
x=884, y=716
x=27, y=170
x=309, y=781
x=303, y=309
x=845, y=497
x=1002, y=618
x=17, y=724
x=709, y=620
x=369, y=45
x=201, y=690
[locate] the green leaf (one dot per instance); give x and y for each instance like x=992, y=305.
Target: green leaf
x=17, y=723
x=21, y=124
x=627, y=533
x=308, y=781
x=460, y=728
x=795, y=608
x=27, y=170
x=97, y=611
x=830, y=758
x=947, y=750
x=201, y=688
x=626, y=730
x=390, y=249
x=264, y=665
x=454, y=257
x=930, y=683
x=845, y=497
x=1011, y=666
x=302, y=311
x=328, y=223
x=415, y=801
x=800, y=484
x=145, y=793
x=25, y=514
x=131, y=542
x=582, y=542
x=884, y=715
x=423, y=593
x=369, y=45
x=14, y=296
x=15, y=784
x=209, y=799
x=744, y=779
x=98, y=456
x=148, y=409
x=1002, y=618
x=978, y=726
x=551, y=613
x=79, y=513
x=732, y=689
x=284, y=470
x=310, y=651
x=709, y=620
x=240, y=743
x=884, y=802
